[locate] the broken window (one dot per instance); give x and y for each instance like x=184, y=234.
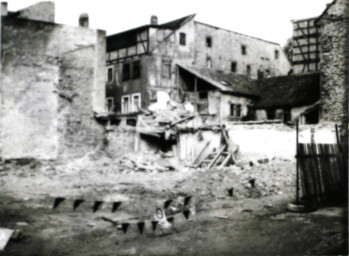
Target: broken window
x=182, y=38
x=166, y=69
x=243, y=49
x=271, y=114
x=136, y=102
x=126, y=72
x=208, y=41
x=248, y=70
x=233, y=66
x=312, y=117
x=110, y=74
x=136, y=69
x=209, y=62
x=110, y=104
x=276, y=54
x=125, y=104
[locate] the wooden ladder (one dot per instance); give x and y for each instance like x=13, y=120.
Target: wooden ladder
x=211, y=159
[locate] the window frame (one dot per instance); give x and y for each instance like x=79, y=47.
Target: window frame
x=107, y=105
x=235, y=65
x=122, y=104
x=244, y=49
x=168, y=65
x=133, y=108
x=128, y=64
x=112, y=74
x=209, y=41
x=182, y=38
x=138, y=73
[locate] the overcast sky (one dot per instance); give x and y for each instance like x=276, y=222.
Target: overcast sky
x=267, y=19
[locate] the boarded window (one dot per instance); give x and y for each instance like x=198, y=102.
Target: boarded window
x=243, y=49
x=166, y=69
x=233, y=66
x=126, y=72
x=182, y=39
x=208, y=41
x=136, y=69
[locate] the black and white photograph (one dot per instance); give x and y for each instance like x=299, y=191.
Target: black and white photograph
x=170, y=128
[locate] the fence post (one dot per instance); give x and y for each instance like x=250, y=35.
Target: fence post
x=297, y=168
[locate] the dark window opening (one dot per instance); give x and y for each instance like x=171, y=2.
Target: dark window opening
x=126, y=72
x=243, y=49
x=110, y=74
x=235, y=110
x=312, y=117
x=233, y=66
x=271, y=114
x=131, y=122
x=276, y=54
x=209, y=41
x=203, y=95
x=136, y=69
x=267, y=73
x=115, y=121
x=260, y=74
x=182, y=38
x=287, y=115
x=248, y=70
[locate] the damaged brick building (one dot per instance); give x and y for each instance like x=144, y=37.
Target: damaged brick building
x=142, y=61
x=52, y=81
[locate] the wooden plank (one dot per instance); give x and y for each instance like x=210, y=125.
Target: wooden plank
x=5, y=235
x=226, y=160
x=201, y=152
x=216, y=157
x=323, y=173
x=303, y=171
x=312, y=178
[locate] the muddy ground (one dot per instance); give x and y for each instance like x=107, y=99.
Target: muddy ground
x=252, y=220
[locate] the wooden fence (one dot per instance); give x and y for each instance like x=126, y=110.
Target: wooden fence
x=323, y=173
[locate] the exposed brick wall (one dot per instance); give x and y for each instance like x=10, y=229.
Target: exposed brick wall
x=334, y=63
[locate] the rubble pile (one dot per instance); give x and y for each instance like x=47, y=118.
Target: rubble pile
x=246, y=179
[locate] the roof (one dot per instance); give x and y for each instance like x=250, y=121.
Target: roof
x=225, y=81
x=129, y=37
x=289, y=91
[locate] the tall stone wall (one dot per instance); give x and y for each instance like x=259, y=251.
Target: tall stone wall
x=37, y=70
x=334, y=63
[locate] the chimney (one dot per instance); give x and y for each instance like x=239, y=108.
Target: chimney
x=83, y=20
x=3, y=8
x=154, y=20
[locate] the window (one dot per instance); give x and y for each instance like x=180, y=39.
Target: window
x=136, y=69
x=126, y=71
x=125, y=104
x=243, y=50
x=270, y=114
x=235, y=110
x=209, y=62
x=287, y=115
x=182, y=38
x=203, y=95
x=166, y=69
x=136, y=102
x=109, y=74
x=276, y=53
x=248, y=70
x=110, y=104
x=233, y=66
x=208, y=41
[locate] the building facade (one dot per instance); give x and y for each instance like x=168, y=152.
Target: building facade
x=142, y=61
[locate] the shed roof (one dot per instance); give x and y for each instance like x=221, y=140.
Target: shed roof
x=225, y=81
x=292, y=91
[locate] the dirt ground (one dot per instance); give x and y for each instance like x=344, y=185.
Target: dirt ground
x=252, y=220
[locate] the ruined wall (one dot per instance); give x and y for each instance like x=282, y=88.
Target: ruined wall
x=78, y=131
x=334, y=63
x=42, y=11
x=31, y=84
x=226, y=47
